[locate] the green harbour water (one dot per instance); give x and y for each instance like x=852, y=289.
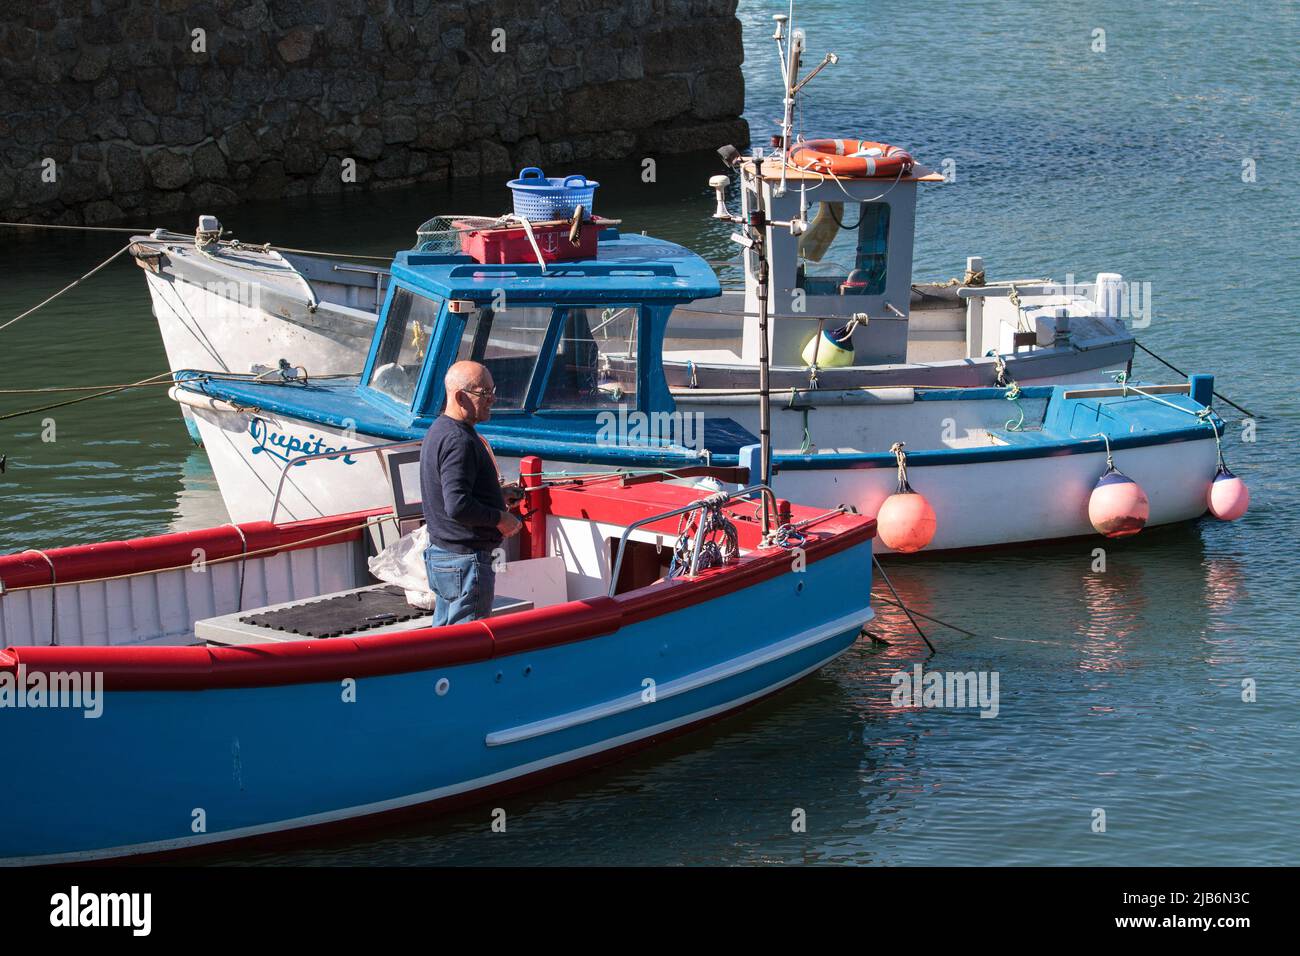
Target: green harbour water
x=1120, y=689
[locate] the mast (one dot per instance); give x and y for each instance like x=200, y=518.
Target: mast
x=789, y=60
x=758, y=225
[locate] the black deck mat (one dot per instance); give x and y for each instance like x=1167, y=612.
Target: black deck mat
x=345, y=614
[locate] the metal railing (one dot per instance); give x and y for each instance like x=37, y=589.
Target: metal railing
x=720, y=498
x=337, y=453
x=379, y=274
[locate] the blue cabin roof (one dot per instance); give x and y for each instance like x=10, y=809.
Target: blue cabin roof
x=627, y=268
x=651, y=274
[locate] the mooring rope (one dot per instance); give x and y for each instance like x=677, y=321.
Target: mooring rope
x=928, y=617
x=906, y=610
x=1247, y=413
x=151, y=380
x=901, y=457
x=165, y=378
x=73, y=388
x=41, y=225
x=1110, y=459
x=1013, y=395
x=66, y=287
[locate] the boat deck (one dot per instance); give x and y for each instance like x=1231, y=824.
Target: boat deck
x=375, y=609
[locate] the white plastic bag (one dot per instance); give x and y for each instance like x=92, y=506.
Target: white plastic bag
x=402, y=563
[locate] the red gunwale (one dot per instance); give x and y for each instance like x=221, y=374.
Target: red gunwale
x=83, y=562
x=312, y=661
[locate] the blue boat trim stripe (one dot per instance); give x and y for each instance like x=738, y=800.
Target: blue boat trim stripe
x=682, y=685
x=525, y=441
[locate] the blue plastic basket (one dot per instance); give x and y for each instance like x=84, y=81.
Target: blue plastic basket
x=539, y=199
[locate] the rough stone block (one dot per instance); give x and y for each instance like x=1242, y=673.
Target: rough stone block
x=718, y=94
x=180, y=131
x=100, y=211
x=268, y=181
x=169, y=169
x=399, y=129
x=494, y=158
x=212, y=195
x=690, y=137
x=239, y=144
x=302, y=159
x=686, y=47
x=142, y=132
x=209, y=163
x=296, y=45
x=369, y=145
x=91, y=65
x=125, y=169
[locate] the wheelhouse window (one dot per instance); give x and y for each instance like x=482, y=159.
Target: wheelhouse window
x=595, y=358
x=508, y=342
x=408, y=331
x=833, y=238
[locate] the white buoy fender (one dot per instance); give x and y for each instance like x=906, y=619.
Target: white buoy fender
x=1229, y=497
x=1118, y=506
x=829, y=349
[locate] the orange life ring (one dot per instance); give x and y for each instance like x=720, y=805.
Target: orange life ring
x=837, y=156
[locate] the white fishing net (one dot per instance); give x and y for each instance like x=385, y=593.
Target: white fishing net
x=442, y=234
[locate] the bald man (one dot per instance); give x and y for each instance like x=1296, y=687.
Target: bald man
x=464, y=504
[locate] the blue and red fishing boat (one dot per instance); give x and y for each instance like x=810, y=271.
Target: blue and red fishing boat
x=254, y=681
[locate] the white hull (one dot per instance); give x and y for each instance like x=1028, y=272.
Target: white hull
x=206, y=330
x=978, y=505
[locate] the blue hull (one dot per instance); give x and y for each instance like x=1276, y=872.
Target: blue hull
x=163, y=771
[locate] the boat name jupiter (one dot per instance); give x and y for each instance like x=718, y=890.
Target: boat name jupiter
x=266, y=440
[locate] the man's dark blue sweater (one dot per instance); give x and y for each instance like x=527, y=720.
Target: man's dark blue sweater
x=459, y=488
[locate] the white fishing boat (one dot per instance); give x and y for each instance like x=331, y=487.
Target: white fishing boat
x=845, y=309
x=996, y=466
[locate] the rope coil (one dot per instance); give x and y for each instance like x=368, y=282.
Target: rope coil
x=719, y=544
x=789, y=537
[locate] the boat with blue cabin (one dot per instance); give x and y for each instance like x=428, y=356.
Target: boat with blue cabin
x=576, y=350
x=846, y=310
x=260, y=682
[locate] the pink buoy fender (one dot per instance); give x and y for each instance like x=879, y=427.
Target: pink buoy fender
x=905, y=521
x=1229, y=497
x=1118, y=506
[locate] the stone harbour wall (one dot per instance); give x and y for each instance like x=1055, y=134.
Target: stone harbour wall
x=110, y=109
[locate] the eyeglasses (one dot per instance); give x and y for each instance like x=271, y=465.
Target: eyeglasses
x=481, y=392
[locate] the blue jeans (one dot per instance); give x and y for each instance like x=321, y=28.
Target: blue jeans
x=464, y=585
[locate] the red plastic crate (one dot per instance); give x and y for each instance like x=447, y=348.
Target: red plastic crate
x=510, y=243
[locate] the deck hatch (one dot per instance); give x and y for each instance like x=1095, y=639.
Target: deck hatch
x=345, y=614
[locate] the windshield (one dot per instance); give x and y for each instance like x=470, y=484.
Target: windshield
x=844, y=250
x=402, y=347
x=595, y=358
x=594, y=362
x=508, y=342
